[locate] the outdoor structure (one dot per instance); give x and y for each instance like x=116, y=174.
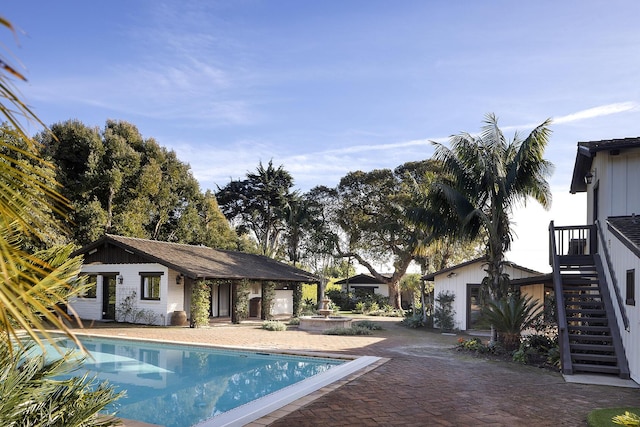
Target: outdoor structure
x=147, y=281
x=464, y=280
x=365, y=283
x=595, y=265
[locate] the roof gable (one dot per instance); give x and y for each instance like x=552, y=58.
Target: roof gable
x=430, y=277
x=588, y=150
x=198, y=262
x=361, y=279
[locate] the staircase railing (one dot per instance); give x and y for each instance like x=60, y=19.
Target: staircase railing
x=614, y=280
x=563, y=331
x=616, y=339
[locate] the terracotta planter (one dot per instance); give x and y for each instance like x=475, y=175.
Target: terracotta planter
x=179, y=318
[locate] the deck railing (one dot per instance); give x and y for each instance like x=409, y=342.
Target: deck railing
x=575, y=240
x=563, y=331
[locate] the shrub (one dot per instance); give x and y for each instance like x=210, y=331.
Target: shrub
x=294, y=321
x=367, y=324
x=511, y=316
x=268, y=298
x=444, y=311
x=200, y=303
x=413, y=321
x=342, y=299
x=242, y=300
x=604, y=417
x=354, y=330
x=360, y=307
x=628, y=419
x=274, y=325
x=476, y=345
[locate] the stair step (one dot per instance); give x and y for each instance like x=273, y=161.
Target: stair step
x=592, y=329
x=591, y=347
x=587, y=311
x=581, y=298
x=585, y=338
x=592, y=357
x=576, y=269
x=573, y=289
x=588, y=321
x=578, y=281
x=603, y=369
x=574, y=260
x=586, y=304
x=587, y=275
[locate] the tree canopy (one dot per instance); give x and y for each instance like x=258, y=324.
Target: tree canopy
x=261, y=205
x=119, y=182
x=371, y=221
x=485, y=178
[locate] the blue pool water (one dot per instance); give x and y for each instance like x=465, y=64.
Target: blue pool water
x=180, y=385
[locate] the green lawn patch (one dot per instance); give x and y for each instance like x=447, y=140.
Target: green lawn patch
x=602, y=417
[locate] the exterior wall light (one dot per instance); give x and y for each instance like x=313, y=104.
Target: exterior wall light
x=120, y=279
x=588, y=178
x=179, y=279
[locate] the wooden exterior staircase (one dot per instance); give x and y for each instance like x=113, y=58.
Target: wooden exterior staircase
x=588, y=332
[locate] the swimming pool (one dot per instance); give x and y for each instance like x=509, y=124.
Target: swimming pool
x=180, y=385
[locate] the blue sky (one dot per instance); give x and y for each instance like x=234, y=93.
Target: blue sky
x=329, y=87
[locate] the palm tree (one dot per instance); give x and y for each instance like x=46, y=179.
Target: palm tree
x=485, y=178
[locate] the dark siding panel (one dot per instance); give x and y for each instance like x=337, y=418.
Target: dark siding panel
x=110, y=254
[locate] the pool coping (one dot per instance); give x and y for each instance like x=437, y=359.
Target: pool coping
x=267, y=409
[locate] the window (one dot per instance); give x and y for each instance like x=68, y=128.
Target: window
x=150, y=286
x=92, y=287
x=631, y=287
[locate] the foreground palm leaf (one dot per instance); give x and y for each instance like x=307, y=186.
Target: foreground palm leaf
x=30, y=396
x=30, y=288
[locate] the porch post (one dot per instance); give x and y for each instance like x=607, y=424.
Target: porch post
x=234, y=301
x=263, y=312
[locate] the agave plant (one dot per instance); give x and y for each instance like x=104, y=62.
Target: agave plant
x=511, y=316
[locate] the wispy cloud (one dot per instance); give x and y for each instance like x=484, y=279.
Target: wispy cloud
x=603, y=110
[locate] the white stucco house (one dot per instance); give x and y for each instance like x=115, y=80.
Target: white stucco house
x=364, y=282
x=148, y=281
x=464, y=280
x=596, y=265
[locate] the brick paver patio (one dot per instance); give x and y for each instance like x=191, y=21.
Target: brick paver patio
x=423, y=383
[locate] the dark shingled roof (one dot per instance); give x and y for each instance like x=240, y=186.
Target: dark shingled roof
x=362, y=279
x=587, y=151
x=627, y=228
x=203, y=262
x=431, y=276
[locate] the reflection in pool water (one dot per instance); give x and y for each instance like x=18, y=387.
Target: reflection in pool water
x=180, y=385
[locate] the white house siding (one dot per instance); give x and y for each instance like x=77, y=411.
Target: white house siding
x=457, y=284
x=472, y=275
x=617, y=178
x=623, y=259
x=378, y=288
x=171, y=294
x=283, y=302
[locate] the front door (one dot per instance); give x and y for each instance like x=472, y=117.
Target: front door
x=474, y=306
x=109, y=297
x=224, y=300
